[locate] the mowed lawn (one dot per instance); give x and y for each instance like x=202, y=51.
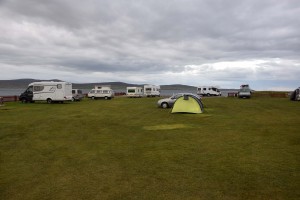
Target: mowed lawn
x=129, y=149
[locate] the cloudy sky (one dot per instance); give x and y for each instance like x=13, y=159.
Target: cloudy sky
x=195, y=42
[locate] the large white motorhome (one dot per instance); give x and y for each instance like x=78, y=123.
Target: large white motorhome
x=134, y=92
x=208, y=91
x=101, y=91
x=49, y=91
x=152, y=90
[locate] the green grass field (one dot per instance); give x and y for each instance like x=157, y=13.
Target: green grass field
x=130, y=149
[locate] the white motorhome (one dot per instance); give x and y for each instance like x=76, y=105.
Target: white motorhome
x=152, y=90
x=134, y=92
x=208, y=91
x=103, y=91
x=49, y=91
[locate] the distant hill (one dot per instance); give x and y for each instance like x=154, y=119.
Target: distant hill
x=23, y=83
x=20, y=83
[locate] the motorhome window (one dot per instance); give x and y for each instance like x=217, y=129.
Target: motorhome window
x=29, y=89
x=131, y=90
x=38, y=88
x=105, y=91
x=73, y=91
x=99, y=91
x=148, y=89
x=214, y=89
x=204, y=88
x=79, y=91
x=92, y=91
x=59, y=86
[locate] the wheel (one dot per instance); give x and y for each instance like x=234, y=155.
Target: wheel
x=93, y=98
x=73, y=99
x=164, y=105
x=23, y=100
x=49, y=101
x=105, y=98
x=208, y=95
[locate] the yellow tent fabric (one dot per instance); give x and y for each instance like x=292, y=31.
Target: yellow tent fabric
x=186, y=104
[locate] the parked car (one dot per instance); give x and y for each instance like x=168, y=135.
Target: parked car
x=169, y=102
x=295, y=95
x=77, y=95
x=244, y=92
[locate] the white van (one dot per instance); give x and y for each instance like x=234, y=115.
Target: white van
x=101, y=92
x=152, y=90
x=49, y=91
x=134, y=92
x=208, y=91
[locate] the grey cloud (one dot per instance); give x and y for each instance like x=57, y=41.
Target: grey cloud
x=150, y=36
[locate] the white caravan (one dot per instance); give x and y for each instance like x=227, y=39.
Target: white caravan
x=47, y=91
x=101, y=92
x=152, y=90
x=208, y=91
x=134, y=92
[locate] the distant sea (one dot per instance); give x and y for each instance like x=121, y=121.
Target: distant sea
x=17, y=92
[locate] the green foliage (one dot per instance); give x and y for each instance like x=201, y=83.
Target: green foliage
x=129, y=149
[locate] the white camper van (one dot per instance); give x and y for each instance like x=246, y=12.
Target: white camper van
x=208, y=91
x=152, y=90
x=49, y=91
x=104, y=91
x=134, y=92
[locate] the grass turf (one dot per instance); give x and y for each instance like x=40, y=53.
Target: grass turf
x=130, y=149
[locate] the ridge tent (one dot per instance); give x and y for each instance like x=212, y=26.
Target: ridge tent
x=187, y=104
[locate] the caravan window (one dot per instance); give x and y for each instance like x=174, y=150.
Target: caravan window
x=131, y=90
x=59, y=86
x=148, y=89
x=38, y=88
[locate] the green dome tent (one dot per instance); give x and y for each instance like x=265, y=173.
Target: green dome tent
x=187, y=104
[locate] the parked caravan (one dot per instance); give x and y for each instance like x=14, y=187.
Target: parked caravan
x=187, y=104
x=152, y=90
x=244, y=92
x=134, y=92
x=295, y=95
x=49, y=91
x=101, y=92
x=208, y=91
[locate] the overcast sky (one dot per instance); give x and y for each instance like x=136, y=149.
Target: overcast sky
x=195, y=42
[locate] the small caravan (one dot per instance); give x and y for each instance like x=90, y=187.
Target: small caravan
x=152, y=90
x=49, y=91
x=104, y=91
x=134, y=92
x=208, y=91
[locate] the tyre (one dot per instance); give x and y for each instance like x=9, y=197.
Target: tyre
x=49, y=100
x=105, y=98
x=73, y=99
x=93, y=98
x=164, y=105
x=23, y=100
